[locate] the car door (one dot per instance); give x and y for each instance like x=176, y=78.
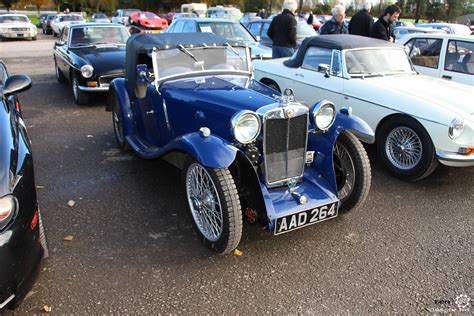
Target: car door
x=458, y=63
x=62, y=57
x=425, y=54
x=311, y=85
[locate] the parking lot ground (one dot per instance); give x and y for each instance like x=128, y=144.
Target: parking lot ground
x=409, y=247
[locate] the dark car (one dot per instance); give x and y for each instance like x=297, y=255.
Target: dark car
x=22, y=239
x=90, y=55
x=232, y=30
x=259, y=29
x=46, y=24
x=41, y=18
x=245, y=150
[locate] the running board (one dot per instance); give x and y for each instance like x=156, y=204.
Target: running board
x=8, y=300
x=141, y=148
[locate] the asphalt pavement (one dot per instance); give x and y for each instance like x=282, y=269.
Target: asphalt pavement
x=407, y=249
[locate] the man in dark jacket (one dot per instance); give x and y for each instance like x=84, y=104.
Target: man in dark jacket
x=282, y=31
x=336, y=24
x=362, y=22
x=383, y=28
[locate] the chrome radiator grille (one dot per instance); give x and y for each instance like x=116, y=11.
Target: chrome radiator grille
x=284, y=144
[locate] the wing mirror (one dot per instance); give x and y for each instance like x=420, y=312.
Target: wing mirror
x=16, y=84
x=324, y=68
x=258, y=38
x=141, y=81
x=59, y=43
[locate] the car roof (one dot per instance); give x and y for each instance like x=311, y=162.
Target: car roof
x=14, y=14
x=88, y=24
x=209, y=20
x=339, y=42
x=417, y=28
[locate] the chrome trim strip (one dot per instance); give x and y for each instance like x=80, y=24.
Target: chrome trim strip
x=455, y=157
x=165, y=110
x=8, y=300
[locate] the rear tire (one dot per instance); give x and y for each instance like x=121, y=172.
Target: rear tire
x=352, y=169
x=406, y=149
x=214, y=204
x=42, y=237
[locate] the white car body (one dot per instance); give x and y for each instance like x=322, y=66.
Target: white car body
x=434, y=103
x=443, y=65
x=17, y=29
x=122, y=16
x=57, y=25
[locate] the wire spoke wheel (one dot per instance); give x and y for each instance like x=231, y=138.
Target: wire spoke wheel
x=204, y=202
x=404, y=148
x=345, y=171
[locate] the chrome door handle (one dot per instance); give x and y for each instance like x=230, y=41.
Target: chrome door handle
x=150, y=112
x=299, y=75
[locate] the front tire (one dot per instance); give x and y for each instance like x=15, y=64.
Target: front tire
x=214, y=204
x=117, y=121
x=406, y=149
x=352, y=169
x=80, y=97
x=59, y=75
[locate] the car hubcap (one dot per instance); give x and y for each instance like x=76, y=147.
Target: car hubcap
x=403, y=148
x=344, y=170
x=204, y=202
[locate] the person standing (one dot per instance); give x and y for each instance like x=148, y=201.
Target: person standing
x=336, y=24
x=383, y=28
x=282, y=31
x=310, y=19
x=362, y=22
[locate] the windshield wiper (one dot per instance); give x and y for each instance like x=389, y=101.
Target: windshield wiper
x=187, y=52
x=234, y=51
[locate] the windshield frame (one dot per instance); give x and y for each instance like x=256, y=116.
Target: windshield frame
x=160, y=80
x=69, y=43
x=230, y=22
x=347, y=75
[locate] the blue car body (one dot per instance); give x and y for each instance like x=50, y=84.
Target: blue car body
x=168, y=121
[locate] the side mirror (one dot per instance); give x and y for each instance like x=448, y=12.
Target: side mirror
x=141, y=81
x=258, y=38
x=16, y=84
x=324, y=68
x=59, y=43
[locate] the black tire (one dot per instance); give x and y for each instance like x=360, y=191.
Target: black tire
x=43, y=30
x=394, y=158
x=42, y=237
x=80, y=97
x=271, y=84
x=59, y=74
x=117, y=121
x=34, y=38
x=352, y=169
x=55, y=34
x=228, y=205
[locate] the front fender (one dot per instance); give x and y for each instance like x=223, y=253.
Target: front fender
x=356, y=126
x=117, y=86
x=211, y=152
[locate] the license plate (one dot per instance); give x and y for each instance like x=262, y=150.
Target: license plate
x=19, y=35
x=306, y=218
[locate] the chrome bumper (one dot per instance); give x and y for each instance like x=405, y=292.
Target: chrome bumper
x=101, y=88
x=454, y=159
x=8, y=300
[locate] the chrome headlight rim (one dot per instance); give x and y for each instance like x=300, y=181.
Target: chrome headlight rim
x=87, y=71
x=237, y=119
x=456, y=127
x=318, y=109
x=11, y=202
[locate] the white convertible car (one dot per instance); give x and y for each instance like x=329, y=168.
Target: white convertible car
x=419, y=120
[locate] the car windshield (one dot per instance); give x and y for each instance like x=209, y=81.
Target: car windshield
x=148, y=15
x=232, y=31
x=71, y=18
x=13, y=19
x=89, y=36
x=179, y=61
x=129, y=12
x=51, y=17
x=385, y=61
x=100, y=16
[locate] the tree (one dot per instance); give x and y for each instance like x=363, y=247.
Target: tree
x=39, y=3
x=436, y=11
x=454, y=8
x=58, y=3
x=8, y=3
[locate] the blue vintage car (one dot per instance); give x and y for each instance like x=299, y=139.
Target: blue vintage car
x=246, y=152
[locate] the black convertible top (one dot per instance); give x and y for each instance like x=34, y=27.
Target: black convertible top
x=339, y=42
x=140, y=46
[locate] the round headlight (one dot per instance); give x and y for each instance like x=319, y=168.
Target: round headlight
x=8, y=209
x=456, y=128
x=87, y=71
x=324, y=114
x=245, y=126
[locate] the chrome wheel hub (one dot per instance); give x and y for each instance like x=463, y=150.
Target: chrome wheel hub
x=403, y=148
x=204, y=202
